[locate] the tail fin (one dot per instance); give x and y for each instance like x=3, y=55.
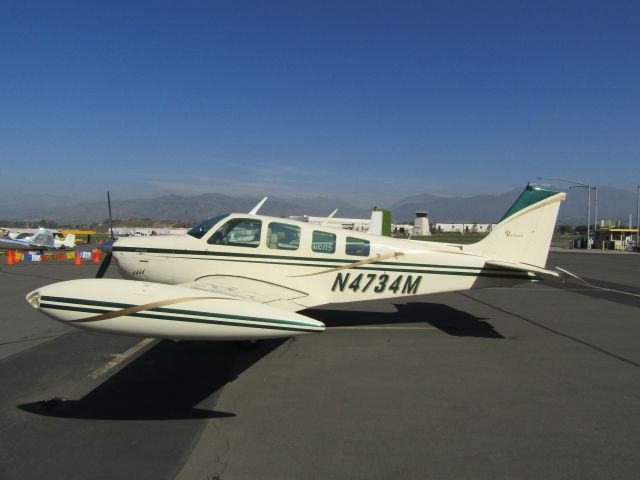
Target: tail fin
x=524, y=233
x=69, y=241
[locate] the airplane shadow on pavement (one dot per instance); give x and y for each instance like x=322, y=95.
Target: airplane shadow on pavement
x=167, y=382
x=179, y=380
x=447, y=319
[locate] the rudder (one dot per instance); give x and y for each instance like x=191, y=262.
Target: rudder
x=524, y=233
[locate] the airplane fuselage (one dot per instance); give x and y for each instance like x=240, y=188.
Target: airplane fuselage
x=345, y=266
x=247, y=276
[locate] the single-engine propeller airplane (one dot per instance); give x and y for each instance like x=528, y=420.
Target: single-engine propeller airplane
x=42, y=239
x=245, y=276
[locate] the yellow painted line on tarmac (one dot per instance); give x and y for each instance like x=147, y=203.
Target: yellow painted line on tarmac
x=120, y=358
x=381, y=328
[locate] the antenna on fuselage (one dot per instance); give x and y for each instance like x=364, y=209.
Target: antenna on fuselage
x=329, y=217
x=255, y=209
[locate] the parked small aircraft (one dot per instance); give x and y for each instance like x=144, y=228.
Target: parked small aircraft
x=42, y=239
x=244, y=276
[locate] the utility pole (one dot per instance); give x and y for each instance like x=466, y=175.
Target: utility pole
x=589, y=219
x=638, y=218
x=595, y=214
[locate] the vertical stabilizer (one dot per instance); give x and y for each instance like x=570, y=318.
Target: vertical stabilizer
x=69, y=241
x=524, y=232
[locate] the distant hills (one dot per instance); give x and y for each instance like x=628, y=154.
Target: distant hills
x=169, y=207
x=478, y=209
x=613, y=203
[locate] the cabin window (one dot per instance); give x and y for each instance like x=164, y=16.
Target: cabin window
x=238, y=232
x=282, y=236
x=357, y=246
x=323, y=242
x=199, y=230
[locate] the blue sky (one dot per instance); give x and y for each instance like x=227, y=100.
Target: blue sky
x=358, y=99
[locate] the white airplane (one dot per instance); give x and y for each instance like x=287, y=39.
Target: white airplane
x=245, y=276
x=42, y=239
x=68, y=242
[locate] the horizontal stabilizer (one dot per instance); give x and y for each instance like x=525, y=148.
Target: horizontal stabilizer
x=522, y=267
x=570, y=277
x=560, y=274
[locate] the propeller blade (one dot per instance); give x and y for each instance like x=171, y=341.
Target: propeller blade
x=104, y=265
x=110, y=217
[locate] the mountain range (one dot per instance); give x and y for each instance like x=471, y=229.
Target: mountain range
x=613, y=203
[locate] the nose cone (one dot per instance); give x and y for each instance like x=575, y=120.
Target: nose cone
x=64, y=301
x=33, y=298
x=39, y=298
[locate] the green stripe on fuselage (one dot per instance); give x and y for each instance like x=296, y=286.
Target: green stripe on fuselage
x=251, y=258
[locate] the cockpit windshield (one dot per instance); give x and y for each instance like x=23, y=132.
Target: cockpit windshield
x=199, y=230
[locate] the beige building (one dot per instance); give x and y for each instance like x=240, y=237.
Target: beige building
x=464, y=227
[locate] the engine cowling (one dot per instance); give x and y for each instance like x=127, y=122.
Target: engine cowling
x=155, y=310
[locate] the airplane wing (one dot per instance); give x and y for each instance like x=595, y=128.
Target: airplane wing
x=257, y=291
x=7, y=243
